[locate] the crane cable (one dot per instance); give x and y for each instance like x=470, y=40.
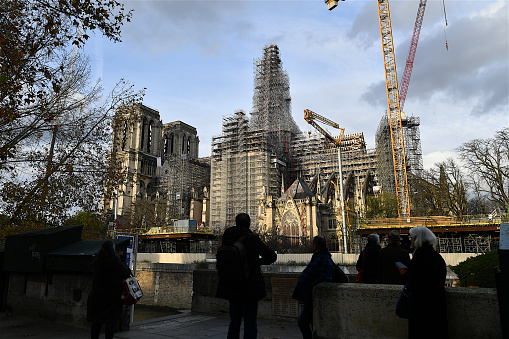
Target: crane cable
x=444, y=15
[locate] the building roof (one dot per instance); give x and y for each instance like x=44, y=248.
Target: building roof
x=298, y=190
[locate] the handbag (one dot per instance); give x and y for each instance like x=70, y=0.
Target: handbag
x=360, y=273
x=404, y=306
x=132, y=292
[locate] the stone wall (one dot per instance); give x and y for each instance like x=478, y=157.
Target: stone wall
x=58, y=297
x=166, y=284
x=368, y=311
x=204, y=291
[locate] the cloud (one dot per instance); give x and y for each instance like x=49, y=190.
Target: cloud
x=159, y=26
x=475, y=66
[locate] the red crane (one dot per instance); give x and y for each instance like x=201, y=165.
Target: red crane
x=411, y=54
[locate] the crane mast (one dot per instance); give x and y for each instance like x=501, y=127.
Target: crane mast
x=310, y=118
x=411, y=54
x=394, y=112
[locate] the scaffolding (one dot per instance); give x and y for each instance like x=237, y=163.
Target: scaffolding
x=180, y=176
x=244, y=163
x=251, y=155
x=413, y=152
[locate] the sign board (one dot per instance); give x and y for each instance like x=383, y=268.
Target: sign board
x=129, y=261
x=282, y=302
x=504, y=236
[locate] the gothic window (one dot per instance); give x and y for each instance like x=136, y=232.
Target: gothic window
x=124, y=137
x=142, y=134
x=183, y=144
x=333, y=224
x=149, y=137
x=172, y=139
x=290, y=225
x=165, y=151
x=333, y=242
x=188, y=145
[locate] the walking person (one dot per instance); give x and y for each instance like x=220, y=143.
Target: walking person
x=427, y=272
x=368, y=260
x=243, y=297
x=104, y=304
x=318, y=270
x=389, y=256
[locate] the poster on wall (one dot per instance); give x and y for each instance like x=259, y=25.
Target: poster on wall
x=129, y=261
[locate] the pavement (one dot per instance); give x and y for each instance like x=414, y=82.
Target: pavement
x=182, y=325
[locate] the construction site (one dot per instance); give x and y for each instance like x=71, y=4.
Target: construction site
x=295, y=185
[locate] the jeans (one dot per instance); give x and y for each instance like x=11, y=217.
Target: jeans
x=305, y=320
x=248, y=310
x=109, y=330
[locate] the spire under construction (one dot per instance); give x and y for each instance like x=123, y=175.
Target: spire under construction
x=271, y=98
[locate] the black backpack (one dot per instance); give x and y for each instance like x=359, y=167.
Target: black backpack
x=338, y=276
x=231, y=263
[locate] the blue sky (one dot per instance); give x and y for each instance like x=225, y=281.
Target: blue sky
x=196, y=60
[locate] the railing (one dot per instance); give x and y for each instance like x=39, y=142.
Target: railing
x=434, y=221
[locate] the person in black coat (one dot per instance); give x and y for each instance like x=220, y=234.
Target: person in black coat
x=368, y=260
x=104, y=304
x=243, y=299
x=387, y=258
x=317, y=271
x=427, y=272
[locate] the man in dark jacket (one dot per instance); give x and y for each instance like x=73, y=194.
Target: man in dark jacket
x=318, y=270
x=387, y=258
x=243, y=299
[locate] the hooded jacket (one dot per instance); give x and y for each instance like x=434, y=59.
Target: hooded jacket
x=318, y=270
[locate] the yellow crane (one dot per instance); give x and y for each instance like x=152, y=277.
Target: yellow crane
x=310, y=118
x=394, y=111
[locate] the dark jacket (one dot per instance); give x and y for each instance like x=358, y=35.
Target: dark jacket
x=369, y=264
x=427, y=272
x=318, y=270
x=104, y=303
x=387, y=257
x=258, y=254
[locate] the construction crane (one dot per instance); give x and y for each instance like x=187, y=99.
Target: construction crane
x=394, y=111
x=411, y=54
x=310, y=118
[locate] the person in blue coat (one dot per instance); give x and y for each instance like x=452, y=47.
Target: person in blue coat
x=317, y=271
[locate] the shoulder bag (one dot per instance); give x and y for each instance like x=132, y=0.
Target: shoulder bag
x=360, y=273
x=132, y=292
x=404, y=306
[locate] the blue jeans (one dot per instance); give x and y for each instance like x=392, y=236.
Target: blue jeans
x=243, y=309
x=305, y=320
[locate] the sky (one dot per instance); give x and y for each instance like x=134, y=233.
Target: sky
x=195, y=59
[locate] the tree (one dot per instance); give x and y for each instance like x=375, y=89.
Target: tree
x=65, y=165
x=34, y=35
x=148, y=213
x=93, y=224
x=441, y=191
x=487, y=160
x=55, y=128
x=383, y=206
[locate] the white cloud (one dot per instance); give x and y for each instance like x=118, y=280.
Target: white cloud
x=196, y=60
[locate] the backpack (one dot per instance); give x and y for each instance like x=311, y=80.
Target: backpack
x=231, y=263
x=338, y=276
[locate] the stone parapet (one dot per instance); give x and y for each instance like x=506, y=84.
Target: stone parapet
x=368, y=311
